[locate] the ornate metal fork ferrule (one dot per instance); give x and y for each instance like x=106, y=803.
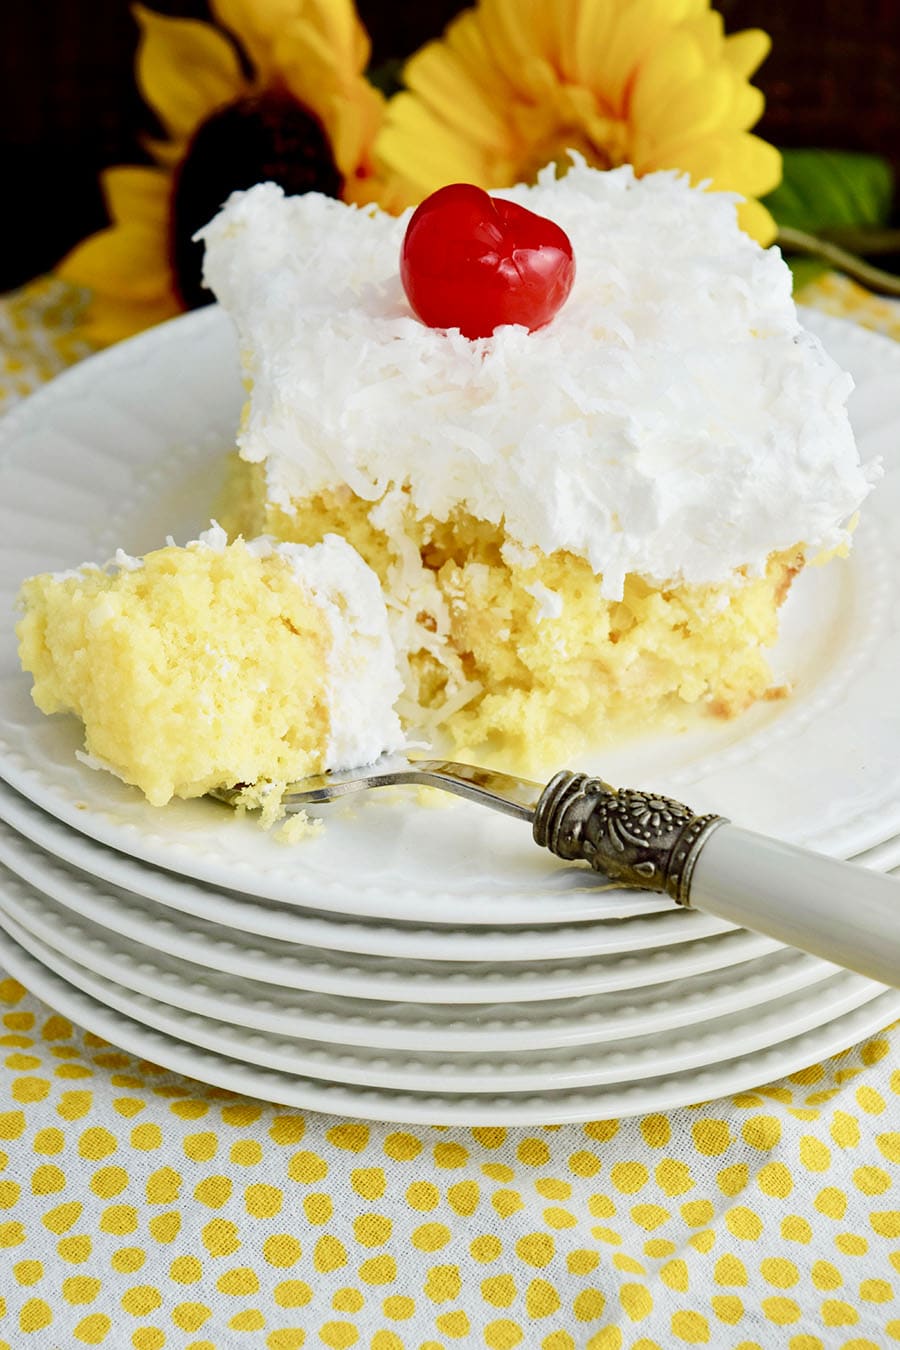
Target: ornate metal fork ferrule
x=636, y=838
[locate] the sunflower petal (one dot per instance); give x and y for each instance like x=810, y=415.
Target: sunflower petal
x=754, y=167
x=660, y=138
x=185, y=70
x=423, y=155
x=647, y=80
x=321, y=57
x=512, y=46
x=565, y=17
x=550, y=29
x=593, y=25
x=465, y=37
x=455, y=94
x=697, y=109
x=748, y=105
x=708, y=31
x=128, y=261
x=167, y=154
x=638, y=28
x=111, y=320
x=256, y=24
x=469, y=55
x=328, y=35
x=757, y=221
x=135, y=193
x=339, y=24
x=693, y=9
x=746, y=51
x=672, y=65
x=352, y=125
x=733, y=162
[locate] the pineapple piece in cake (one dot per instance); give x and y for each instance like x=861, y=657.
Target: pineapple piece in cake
x=217, y=664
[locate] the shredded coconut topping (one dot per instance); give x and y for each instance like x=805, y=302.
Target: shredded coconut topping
x=673, y=420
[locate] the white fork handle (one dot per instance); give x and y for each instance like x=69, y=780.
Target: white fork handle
x=836, y=910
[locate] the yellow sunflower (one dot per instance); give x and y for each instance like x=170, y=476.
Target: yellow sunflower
x=288, y=102
x=653, y=83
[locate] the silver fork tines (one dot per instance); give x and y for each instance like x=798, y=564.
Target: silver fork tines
x=502, y=791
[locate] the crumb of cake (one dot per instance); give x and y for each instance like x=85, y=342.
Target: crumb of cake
x=217, y=664
x=297, y=827
x=267, y=799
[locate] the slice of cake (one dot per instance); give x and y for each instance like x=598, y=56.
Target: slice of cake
x=217, y=664
x=579, y=528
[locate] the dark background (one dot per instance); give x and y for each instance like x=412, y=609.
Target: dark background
x=68, y=105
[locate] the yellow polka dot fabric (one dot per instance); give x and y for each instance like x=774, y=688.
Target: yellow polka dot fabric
x=140, y=1209
x=39, y=336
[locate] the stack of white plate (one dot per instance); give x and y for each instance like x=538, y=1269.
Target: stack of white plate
x=410, y=963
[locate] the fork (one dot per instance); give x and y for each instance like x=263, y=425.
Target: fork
x=837, y=910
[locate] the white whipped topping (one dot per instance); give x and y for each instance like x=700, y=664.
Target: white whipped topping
x=673, y=420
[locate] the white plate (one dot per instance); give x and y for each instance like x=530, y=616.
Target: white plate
x=294, y=924
x=128, y=447
x=644, y=1056
x=633, y=918
x=379, y=977
x=379, y=1024
x=437, y=1108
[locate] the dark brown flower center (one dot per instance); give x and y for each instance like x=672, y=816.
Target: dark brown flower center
x=262, y=137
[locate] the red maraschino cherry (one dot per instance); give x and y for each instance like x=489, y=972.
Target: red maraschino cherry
x=473, y=262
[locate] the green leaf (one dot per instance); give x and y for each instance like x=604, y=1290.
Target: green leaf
x=827, y=189
x=805, y=270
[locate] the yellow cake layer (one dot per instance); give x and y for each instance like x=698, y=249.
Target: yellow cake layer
x=523, y=689
x=195, y=669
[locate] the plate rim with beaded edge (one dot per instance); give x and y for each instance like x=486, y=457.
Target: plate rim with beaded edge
x=359, y=1019
x=34, y=842
x=38, y=927
x=120, y=936
x=125, y=449
x=782, y=988
x=612, y=1101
